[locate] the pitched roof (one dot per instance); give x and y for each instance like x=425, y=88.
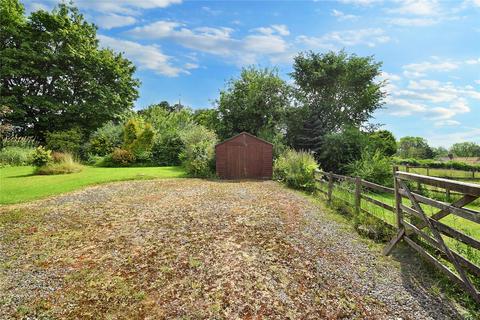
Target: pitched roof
x=243, y=133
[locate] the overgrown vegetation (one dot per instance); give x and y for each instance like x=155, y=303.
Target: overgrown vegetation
x=62, y=163
x=296, y=169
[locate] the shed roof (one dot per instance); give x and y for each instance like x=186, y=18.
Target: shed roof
x=244, y=133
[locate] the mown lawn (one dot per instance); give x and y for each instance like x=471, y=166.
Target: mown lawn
x=19, y=184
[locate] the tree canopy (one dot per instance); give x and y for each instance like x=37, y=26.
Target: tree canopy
x=465, y=149
x=255, y=101
x=54, y=75
x=414, y=147
x=334, y=90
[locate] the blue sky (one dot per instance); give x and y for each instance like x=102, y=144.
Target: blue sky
x=187, y=50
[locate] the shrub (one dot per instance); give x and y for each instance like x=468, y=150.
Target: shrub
x=64, y=141
x=105, y=139
x=19, y=142
x=122, y=157
x=63, y=163
x=16, y=156
x=166, y=149
x=296, y=169
x=138, y=137
x=374, y=168
x=41, y=157
x=199, y=152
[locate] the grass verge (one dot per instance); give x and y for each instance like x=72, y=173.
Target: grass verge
x=20, y=184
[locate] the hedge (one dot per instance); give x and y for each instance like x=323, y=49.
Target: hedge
x=434, y=164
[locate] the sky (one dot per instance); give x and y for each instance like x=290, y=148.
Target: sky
x=187, y=50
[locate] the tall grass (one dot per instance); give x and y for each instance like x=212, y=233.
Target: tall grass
x=16, y=156
x=62, y=163
x=18, y=142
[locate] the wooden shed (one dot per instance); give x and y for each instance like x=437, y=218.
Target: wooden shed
x=244, y=156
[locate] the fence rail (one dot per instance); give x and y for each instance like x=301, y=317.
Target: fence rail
x=473, y=174
x=413, y=224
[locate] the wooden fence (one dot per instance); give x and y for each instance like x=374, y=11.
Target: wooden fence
x=412, y=223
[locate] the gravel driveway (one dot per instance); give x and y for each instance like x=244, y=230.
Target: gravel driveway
x=196, y=249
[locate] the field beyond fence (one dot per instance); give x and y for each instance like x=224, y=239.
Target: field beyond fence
x=438, y=218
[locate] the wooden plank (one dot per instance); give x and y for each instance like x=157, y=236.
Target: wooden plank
x=377, y=187
x=388, y=248
x=442, y=268
x=446, y=230
x=466, y=199
x=358, y=195
x=473, y=268
x=438, y=237
x=378, y=203
x=340, y=177
x=468, y=214
x=463, y=187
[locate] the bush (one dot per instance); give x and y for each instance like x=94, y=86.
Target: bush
x=122, y=157
x=166, y=149
x=374, y=168
x=64, y=141
x=41, y=157
x=296, y=169
x=138, y=137
x=63, y=163
x=16, y=156
x=105, y=139
x=198, y=154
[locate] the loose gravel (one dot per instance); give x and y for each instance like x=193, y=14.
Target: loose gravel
x=196, y=249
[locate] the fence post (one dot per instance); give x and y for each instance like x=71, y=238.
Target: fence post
x=358, y=194
x=473, y=174
x=406, y=168
x=330, y=187
x=398, y=199
x=428, y=171
x=447, y=195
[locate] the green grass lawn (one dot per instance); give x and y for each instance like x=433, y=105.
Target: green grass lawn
x=19, y=184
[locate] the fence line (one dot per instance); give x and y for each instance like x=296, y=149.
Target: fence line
x=413, y=224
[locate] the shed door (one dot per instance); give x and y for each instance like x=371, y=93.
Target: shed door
x=236, y=164
x=254, y=160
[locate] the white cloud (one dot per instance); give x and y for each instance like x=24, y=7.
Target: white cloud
x=265, y=42
x=417, y=7
x=113, y=20
x=342, y=16
x=370, y=37
x=124, y=6
x=444, y=139
x=444, y=123
x=477, y=81
x=361, y=2
x=145, y=56
x=211, y=11
x=403, y=107
x=416, y=70
x=473, y=61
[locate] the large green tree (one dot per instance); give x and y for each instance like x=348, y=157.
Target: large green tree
x=383, y=141
x=334, y=90
x=465, y=149
x=254, y=102
x=54, y=76
x=414, y=147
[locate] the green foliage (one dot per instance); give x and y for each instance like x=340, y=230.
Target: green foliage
x=254, y=101
x=374, y=168
x=276, y=138
x=138, y=138
x=41, y=157
x=19, y=142
x=465, y=149
x=440, y=152
x=62, y=163
x=198, y=155
x=414, y=147
x=166, y=149
x=16, y=156
x=429, y=163
x=296, y=169
x=55, y=75
x=335, y=90
x=122, y=157
x=105, y=139
x=341, y=149
x=382, y=141
x=209, y=118
x=64, y=141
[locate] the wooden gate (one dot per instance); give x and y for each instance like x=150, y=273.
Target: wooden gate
x=413, y=222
